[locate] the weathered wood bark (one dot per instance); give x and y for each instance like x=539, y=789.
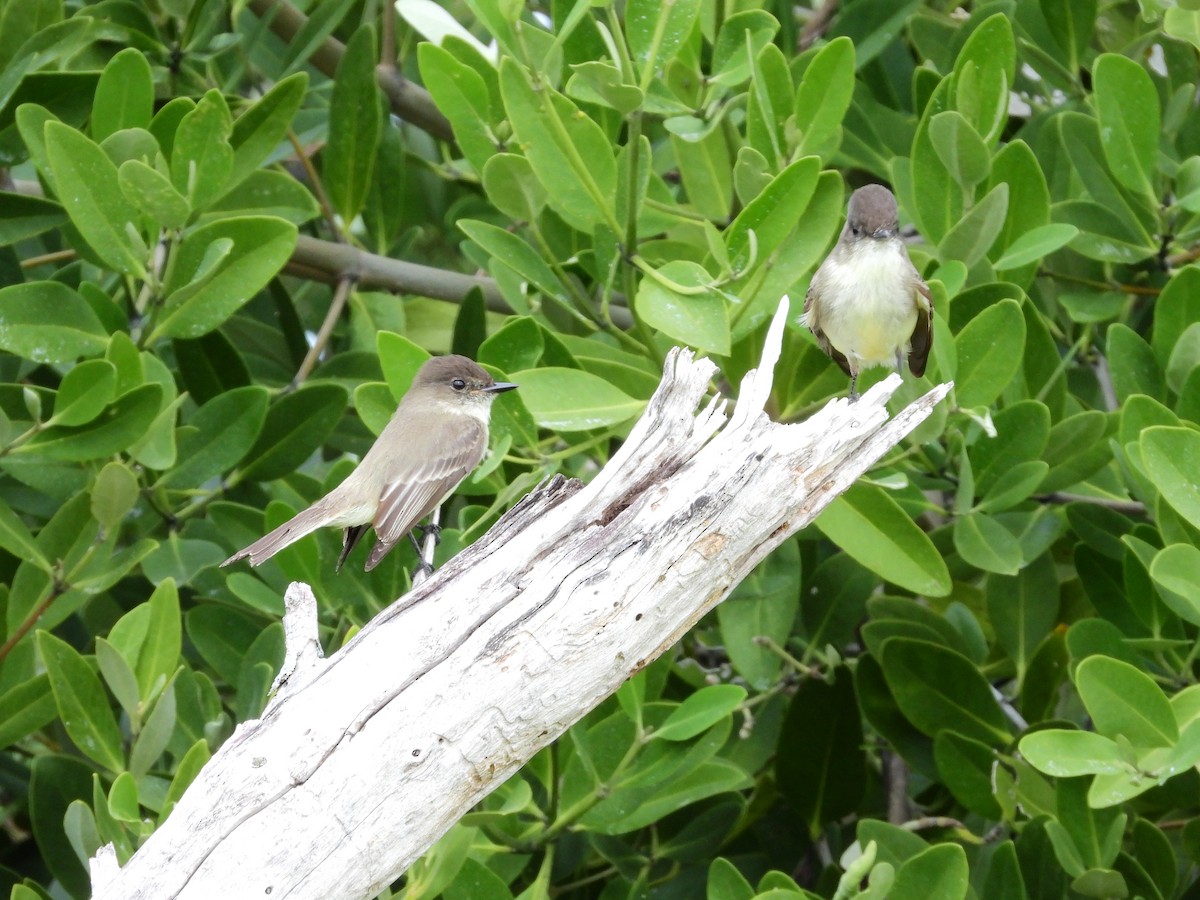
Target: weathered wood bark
x=361, y=761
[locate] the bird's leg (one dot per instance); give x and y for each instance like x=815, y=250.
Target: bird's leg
x=432, y=528
x=430, y=534
x=853, y=382
x=900, y=361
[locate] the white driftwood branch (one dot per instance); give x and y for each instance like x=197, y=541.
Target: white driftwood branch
x=361, y=761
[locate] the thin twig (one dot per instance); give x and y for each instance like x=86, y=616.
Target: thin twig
x=1131, y=507
x=817, y=24
x=340, y=295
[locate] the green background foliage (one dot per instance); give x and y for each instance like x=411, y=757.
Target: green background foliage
x=975, y=676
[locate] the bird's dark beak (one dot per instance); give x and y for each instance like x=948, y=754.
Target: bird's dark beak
x=499, y=387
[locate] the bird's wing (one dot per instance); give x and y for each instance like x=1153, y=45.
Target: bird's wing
x=406, y=500
x=922, y=336
x=812, y=320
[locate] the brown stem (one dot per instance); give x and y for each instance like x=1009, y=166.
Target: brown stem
x=330, y=262
x=409, y=101
x=57, y=589
x=331, y=317
x=817, y=24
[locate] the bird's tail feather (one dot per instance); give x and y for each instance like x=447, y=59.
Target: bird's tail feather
x=292, y=530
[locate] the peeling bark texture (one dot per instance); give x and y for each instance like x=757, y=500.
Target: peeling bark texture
x=363, y=760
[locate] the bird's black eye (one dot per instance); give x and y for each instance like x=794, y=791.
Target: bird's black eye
x=458, y=384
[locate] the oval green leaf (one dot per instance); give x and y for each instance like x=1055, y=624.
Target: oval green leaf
x=572, y=400
x=872, y=528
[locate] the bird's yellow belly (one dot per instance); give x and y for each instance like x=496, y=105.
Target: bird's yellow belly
x=873, y=312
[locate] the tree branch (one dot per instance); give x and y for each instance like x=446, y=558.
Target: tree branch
x=360, y=762
x=409, y=101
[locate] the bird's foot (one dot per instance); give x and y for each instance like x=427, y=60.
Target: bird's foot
x=435, y=530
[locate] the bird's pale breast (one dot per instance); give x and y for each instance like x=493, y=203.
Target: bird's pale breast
x=868, y=307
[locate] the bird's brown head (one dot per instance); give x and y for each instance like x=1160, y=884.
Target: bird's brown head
x=872, y=213
x=457, y=377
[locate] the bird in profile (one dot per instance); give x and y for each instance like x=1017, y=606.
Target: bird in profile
x=867, y=305
x=435, y=439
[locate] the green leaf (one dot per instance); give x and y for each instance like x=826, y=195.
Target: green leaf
x=48, y=322
x=961, y=149
x=355, y=120
x=1068, y=754
x=258, y=131
x=84, y=392
x=989, y=351
x=297, y=424
x=966, y=768
x=725, y=882
x=400, y=359
x=118, y=675
x=114, y=494
x=462, y=95
x=973, y=235
x=983, y=542
x=1175, y=310
x=1024, y=609
x=601, y=83
x=704, y=166
x=572, y=400
x=824, y=96
x=55, y=782
x=1176, y=574
x=124, y=94
x=1133, y=365
x=937, y=688
x=222, y=636
x=1127, y=106
x=700, y=320
x=113, y=431
x=185, y=773
x=872, y=528
x=1035, y=245
x=939, y=873
x=570, y=154
x=1014, y=485
x=25, y=708
x=152, y=193
x=202, y=294
x=159, y=655
x=223, y=431
x=821, y=772
x=656, y=31
x=515, y=253
x=700, y=711
x=1171, y=457
x=763, y=605
x=1184, y=358
x=23, y=217
x=201, y=157
x=510, y=184
x=82, y=703
x=155, y=734
x=710, y=778
x=771, y=216
x=1123, y=700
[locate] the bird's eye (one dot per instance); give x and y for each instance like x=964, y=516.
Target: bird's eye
x=855, y=230
x=458, y=384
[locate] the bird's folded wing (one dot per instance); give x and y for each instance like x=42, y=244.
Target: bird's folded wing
x=408, y=499
x=922, y=336
x=812, y=320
